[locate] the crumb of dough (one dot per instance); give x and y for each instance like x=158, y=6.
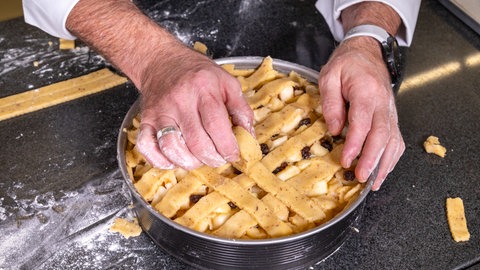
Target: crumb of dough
x=66, y=44
x=126, y=227
x=432, y=145
x=200, y=47
x=457, y=220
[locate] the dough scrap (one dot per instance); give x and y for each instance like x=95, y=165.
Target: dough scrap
x=432, y=145
x=126, y=227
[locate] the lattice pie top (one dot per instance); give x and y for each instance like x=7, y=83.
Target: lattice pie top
x=288, y=179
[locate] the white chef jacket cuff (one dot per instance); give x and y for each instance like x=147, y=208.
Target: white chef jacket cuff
x=49, y=15
x=406, y=9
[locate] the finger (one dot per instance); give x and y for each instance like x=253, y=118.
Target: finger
x=148, y=146
x=199, y=142
x=360, y=116
x=237, y=106
x=216, y=123
x=392, y=154
x=173, y=147
x=333, y=104
x=375, y=144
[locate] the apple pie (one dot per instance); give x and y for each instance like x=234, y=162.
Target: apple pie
x=288, y=179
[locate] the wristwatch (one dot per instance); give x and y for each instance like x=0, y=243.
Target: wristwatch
x=390, y=51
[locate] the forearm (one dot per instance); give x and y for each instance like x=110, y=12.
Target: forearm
x=374, y=13
x=119, y=31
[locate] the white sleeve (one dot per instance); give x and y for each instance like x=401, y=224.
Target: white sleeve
x=49, y=15
x=407, y=9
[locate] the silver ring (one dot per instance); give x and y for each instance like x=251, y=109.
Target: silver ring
x=166, y=130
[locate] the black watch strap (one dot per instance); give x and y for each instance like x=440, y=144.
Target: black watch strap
x=390, y=50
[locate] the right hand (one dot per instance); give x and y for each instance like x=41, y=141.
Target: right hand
x=189, y=91
x=356, y=74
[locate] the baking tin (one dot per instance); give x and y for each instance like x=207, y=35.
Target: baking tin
x=206, y=251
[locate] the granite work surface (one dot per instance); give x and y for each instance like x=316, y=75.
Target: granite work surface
x=60, y=186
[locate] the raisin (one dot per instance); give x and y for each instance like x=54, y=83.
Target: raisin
x=264, y=148
x=349, y=175
x=337, y=138
x=326, y=144
x=304, y=122
x=232, y=205
x=280, y=168
x=195, y=198
x=306, y=152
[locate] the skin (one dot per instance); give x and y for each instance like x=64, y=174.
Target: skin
x=179, y=87
x=187, y=90
x=354, y=74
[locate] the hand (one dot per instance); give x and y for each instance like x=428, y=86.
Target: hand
x=188, y=91
x=356, y=74
x=180, y=88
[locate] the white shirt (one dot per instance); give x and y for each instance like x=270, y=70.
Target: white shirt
x=51, y=16
x=406, y=9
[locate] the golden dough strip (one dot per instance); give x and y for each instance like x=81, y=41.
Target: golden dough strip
x=457, y=220
x=348, y=192
x=320, y=169
x=177, y=195
x=236, y=226
x=244, y=200
x=266, y=180
x=287, y=194
x=298, y=79
x=206, y=205
x=277, y=120
x=57, y=93
x=66, y=44
x=245, y=181
x=133, y=157
x=295, y=144
x=277, y=206
x=268, y=91
x=250, y=151
x=264, y=73
x=148, y=185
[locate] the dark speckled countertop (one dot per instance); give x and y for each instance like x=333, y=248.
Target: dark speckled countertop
x=60, y=187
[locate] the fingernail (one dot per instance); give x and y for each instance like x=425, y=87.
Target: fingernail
x=368, y=173
x=347, y=162
x=252, y=130
x=220, y=163
x=376, y=186
x=232, y=158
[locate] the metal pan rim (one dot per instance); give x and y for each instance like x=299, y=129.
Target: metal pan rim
x=251, y=61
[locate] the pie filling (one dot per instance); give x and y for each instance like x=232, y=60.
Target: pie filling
x=288, y=179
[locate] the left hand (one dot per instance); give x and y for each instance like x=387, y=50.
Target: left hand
x=356, y=74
